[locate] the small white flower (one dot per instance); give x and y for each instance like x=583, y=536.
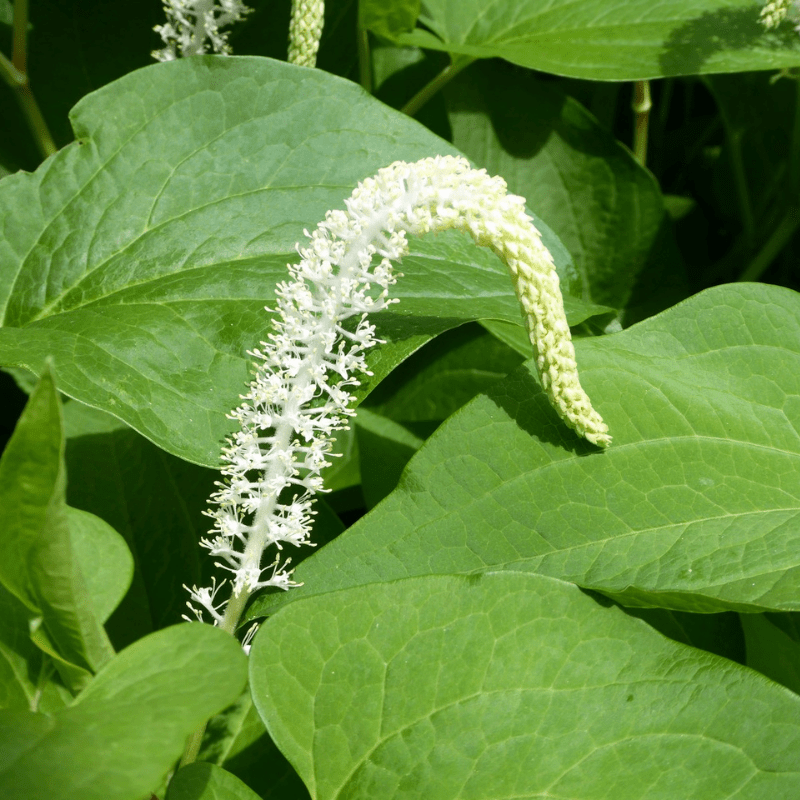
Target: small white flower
x=300, y=394
x=193, y=25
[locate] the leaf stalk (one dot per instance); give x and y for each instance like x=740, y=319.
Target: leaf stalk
x=641, y=105
x=440, y=81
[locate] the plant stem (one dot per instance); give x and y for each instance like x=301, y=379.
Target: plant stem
x=777, y=241
x=15, y=75
x=734, y=140
x=10, y=74
x=442, y=79
x=19, y=46
x=364, y=60
x=233, y=613
x=794, y=152
x=193, y=746
x=41, y=133
x=641, y=106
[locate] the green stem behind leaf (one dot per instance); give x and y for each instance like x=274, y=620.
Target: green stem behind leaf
x=364, y=60
x=641, y=106
x=781, y=236
x=14, y=73
x=441, y=80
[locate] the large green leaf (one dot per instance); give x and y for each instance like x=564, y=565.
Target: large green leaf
x=125, y=731
x=602, y=40
x=141, y=256
x=604, y=206
x=695, y=505
x=511, y=685
x=48, y=548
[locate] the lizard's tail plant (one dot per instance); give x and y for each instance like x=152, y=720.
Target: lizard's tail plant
x=194, y=25
x=305, y=31
x=300, y=394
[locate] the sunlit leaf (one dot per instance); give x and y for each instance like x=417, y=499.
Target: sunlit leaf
x=512, y=685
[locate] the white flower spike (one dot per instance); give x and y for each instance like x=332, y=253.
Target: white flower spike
x=305, y=30
x=193, y=25
x=300, y=394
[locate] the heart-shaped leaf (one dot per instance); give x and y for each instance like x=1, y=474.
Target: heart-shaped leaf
x=141, y=256
x=512, y=685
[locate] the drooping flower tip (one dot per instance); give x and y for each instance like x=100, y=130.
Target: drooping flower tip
x=305, y=31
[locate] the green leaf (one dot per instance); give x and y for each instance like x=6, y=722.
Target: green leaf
x=755, y=165
x=720, y=634
x=142, y=492
x=31, y=477
x=771, y=651
x=207, y=782
x=384, y=448
x=125, y=731
x=595, y=39
x=254, y=759
x=141, y=256
x=388, y=19
x=523, y=686
x=344, y=471
x=695, y=506
x=603, y=205
x=44, y=544
x=238, y=740
x=28, y=677
x=103, y=559
x=444, y=375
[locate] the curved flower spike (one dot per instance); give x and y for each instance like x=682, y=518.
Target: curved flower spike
x=300, y=394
